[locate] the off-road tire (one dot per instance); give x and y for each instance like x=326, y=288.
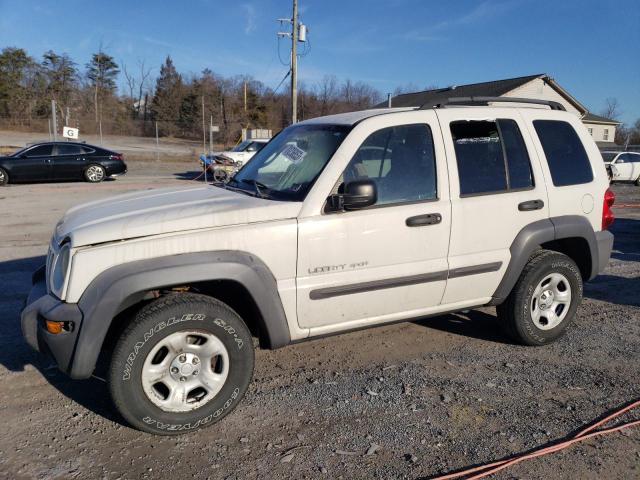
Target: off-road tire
x=156, y=321
x=4, y=177
x=514, y=314
x=89, y=175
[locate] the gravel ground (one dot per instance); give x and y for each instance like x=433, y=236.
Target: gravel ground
x=407, y=400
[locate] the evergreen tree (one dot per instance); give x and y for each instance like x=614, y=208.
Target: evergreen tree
x=102, y=72
x=167, y=100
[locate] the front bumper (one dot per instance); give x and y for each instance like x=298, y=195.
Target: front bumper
x=41, y=306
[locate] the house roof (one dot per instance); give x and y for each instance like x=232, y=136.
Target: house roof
x=590, y=117
x=494, y=88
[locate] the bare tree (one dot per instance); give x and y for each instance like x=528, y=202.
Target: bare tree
x=611, y=109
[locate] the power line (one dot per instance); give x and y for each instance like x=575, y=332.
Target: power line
x=282, y=81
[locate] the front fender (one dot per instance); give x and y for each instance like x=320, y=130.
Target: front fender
x=120, y=287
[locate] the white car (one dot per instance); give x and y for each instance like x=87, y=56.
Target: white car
x=342, y=222
x=625, y=166
x=244, y=151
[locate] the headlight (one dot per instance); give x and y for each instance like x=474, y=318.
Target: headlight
x=59, y=269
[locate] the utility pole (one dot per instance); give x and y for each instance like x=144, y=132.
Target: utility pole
x=298, y=34
x=54, y=119
x=245, y=95
x=294, y=64
x=204, y=132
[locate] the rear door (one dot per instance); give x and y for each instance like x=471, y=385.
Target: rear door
x=68, y=162
x=33, y=165
x=497, y=188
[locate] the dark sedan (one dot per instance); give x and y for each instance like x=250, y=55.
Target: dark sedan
x=59, y=161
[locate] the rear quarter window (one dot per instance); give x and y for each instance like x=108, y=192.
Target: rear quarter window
x=567, y=159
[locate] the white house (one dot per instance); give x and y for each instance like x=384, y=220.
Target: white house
x=540, y=86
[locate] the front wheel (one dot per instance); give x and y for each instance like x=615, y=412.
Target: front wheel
x=183, y=363
x=637, y=182
x=4, y=177
x=94, y=173
x=544, y=300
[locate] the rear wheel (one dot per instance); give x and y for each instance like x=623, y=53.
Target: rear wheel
x=4, y=177
x=637, y=182
x=184, y=362
x=544, y=300
x=94, y=173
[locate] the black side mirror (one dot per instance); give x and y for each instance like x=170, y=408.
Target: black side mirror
x=355, y=195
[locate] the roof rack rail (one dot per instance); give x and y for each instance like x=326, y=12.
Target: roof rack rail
x=470, y=101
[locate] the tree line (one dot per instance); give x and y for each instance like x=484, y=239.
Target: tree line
x=89, y=97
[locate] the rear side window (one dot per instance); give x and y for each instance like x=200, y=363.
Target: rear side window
x=566, y=156
x=491, y=156
x=68, y=150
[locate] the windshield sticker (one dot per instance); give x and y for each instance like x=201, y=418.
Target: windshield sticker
x=293, y=153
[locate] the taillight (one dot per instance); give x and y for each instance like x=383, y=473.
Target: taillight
x=117, y=156
x=607, y=214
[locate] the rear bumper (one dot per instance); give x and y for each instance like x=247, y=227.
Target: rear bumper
x=604, y=242
x=41, y=306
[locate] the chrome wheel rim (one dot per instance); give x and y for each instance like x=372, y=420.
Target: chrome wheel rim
x=185, y=370
x=2, y=177
x=550, y=301
x=95, y=173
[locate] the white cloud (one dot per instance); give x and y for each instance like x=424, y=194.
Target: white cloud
x=250, y=18
x=484, y=11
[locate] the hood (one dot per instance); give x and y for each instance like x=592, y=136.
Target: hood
x=154, y=212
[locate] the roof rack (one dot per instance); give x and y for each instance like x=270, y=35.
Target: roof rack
x=470, y=101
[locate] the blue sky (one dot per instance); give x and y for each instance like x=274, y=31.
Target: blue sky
x=589, y=47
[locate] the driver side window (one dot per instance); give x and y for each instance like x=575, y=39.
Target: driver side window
x=39, y=151
x=401, y=162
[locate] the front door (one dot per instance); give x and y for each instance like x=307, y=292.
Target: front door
x=387, y=261
x=33, y=165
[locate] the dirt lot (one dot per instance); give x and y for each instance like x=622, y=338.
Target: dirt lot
x=435, y=394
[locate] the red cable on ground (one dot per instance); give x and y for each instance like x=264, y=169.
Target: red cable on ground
x=628, y=205
x=491, y=468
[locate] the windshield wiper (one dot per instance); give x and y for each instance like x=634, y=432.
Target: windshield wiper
x=259, y=186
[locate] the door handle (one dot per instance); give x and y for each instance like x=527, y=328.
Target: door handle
x=530, y=205
x=424, y=220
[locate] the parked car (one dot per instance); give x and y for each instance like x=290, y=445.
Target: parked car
x=242, y=152
x=623, y=166
x=341, y=222
x=58, y=161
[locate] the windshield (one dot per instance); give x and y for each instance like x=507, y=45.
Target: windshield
x=241, y=147
x=608, y=156
x=287, y=167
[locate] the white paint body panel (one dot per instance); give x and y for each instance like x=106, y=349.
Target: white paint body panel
x=484, y=226
x=568, y=200
x=372, y=244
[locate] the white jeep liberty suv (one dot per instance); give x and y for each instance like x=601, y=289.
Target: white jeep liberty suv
x=338, y=223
